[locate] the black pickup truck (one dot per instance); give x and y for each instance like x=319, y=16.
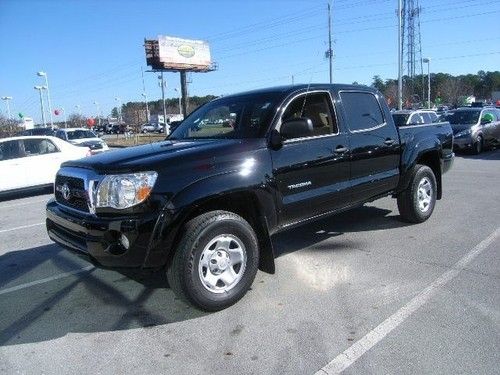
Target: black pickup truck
x=204, y=203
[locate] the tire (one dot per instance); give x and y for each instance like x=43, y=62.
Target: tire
x=212, y=245
x=417, y=202
x=478, y=146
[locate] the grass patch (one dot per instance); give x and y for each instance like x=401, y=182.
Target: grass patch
x=134, y=140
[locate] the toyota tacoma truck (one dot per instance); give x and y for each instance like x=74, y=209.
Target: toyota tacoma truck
x=203, y=204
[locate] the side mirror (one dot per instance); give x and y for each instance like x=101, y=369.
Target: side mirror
x=296, y=128
x=276, y=140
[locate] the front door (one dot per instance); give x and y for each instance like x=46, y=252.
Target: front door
x=312, y=173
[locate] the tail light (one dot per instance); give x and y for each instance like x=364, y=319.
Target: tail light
x=89, y=153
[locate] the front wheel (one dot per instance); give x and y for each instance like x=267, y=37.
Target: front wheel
x=478, y=146
x=215, y=262
x=417, y=202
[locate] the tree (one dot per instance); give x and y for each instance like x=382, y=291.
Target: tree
x=378, y=83
x=115, y=113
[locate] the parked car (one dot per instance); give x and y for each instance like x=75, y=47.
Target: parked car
x=83, y=137
x=204, y=203
x=119, y=129
x=32, y=161
x=410, y=117
x=152, y=128
x=38, y=131
x=475, y=128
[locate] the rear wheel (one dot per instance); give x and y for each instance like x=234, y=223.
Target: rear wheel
x=216, y=260
x=417, y=202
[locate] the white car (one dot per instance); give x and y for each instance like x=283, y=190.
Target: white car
x=83, y=137
x=33, y=161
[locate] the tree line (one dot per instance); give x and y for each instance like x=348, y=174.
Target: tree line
x=445, y=88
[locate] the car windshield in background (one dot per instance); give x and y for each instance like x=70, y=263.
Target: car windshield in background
x=464, y=117
x=81, y=134
x=246, y=116
x=400, y=118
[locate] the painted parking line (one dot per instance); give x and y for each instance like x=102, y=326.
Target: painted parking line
x=22, y=227
x=46, y=280
x=360, y=347
x=24, y=203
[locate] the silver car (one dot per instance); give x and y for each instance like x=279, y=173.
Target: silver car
x=475, y=128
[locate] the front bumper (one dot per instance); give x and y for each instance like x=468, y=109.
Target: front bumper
x=101, y=239
x=462, y=143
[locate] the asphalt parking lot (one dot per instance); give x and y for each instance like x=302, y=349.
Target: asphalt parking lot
x=360, y=292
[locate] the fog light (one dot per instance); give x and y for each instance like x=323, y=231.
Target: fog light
x=124, y=241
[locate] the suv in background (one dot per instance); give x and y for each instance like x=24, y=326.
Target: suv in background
x=38, y=131
x=83, y=137
x=152, y=128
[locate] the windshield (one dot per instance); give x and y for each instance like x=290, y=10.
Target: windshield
x=246, y=116
x=80, y=134
x=464, y=117
x=400, y=118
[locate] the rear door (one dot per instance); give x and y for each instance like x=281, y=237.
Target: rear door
x=12, y=171
x=312, y=173
x=374, y=143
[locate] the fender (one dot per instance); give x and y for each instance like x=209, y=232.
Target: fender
x=412, y=155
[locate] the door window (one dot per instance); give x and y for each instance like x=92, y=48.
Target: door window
x=34, y=147
x=316, y=107
x=10, y=150
x=362, y=110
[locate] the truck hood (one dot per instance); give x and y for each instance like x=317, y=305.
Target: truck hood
x=158, y=155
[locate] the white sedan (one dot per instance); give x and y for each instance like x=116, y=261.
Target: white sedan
x=33, y=161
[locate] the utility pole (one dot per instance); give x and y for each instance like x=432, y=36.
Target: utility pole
x=400, y=56
x=162, y=84
x=145, y=95
x=184, y=92
x=7, y=98
x=330, y=52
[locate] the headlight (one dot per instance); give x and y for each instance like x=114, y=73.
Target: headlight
x=463, y=133
x=125, y=190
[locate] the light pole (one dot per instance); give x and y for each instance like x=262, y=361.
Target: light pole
x=147, y=108
x=65, y=119
x=179, y=92
x=119, y=109
x=7, y=98
x=79, y=108
x=40, y=88
x=400, y=55
x=427, y=60
x=98, y=113
x=44, y=74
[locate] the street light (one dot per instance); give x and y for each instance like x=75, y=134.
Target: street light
x=44, y=74
x=40, y=88
x=7, y=98
x=79, y=108
x=119, y=109
x=179, y=92
x=427, y=61
x=147, y=108
x=98, y=113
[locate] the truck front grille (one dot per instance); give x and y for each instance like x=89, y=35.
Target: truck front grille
x=70, y=192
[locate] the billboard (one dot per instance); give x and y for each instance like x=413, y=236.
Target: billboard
x=183, y=53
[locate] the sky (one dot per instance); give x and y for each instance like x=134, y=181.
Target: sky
x=93, y=51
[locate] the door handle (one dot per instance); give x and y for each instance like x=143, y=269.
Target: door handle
x=341, y=150
x=389, y=142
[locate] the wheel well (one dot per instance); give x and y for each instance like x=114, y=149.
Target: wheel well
x=247, y=206
x=431, y=159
